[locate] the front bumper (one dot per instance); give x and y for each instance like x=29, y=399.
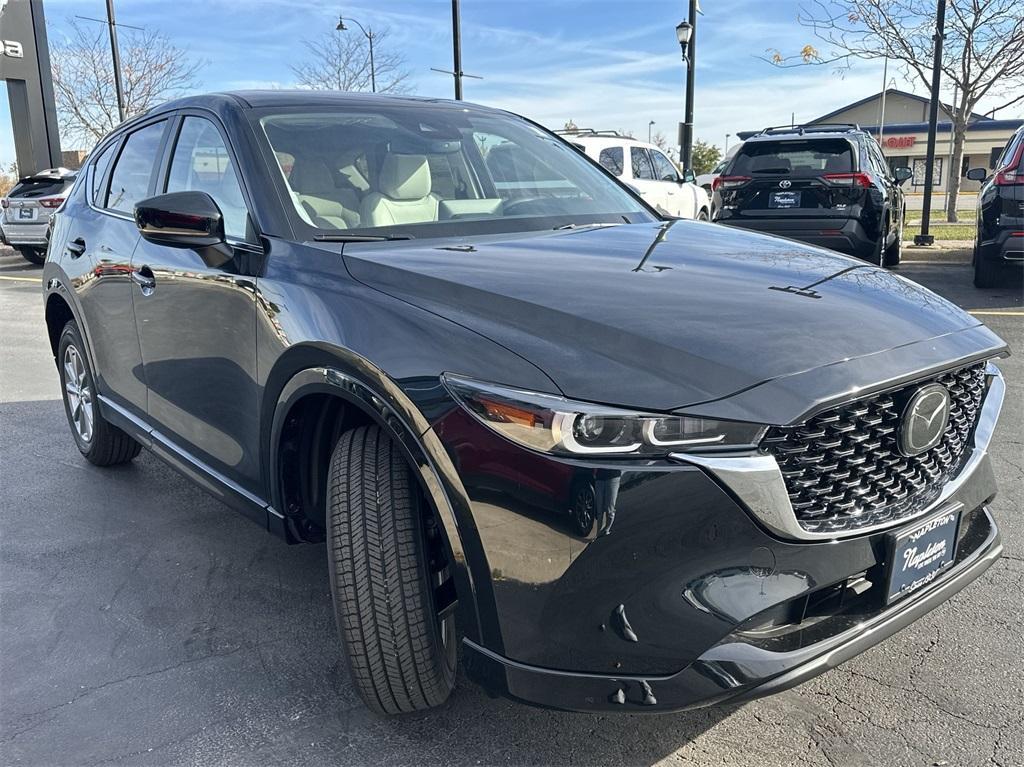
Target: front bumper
x=664, y=605
x=734, y=670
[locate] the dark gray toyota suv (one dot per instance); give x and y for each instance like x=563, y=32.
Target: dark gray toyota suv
x=622, y=462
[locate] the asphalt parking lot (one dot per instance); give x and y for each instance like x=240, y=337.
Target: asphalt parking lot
x=143, y=623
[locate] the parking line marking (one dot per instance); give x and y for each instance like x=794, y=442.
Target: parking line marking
x=982, y=312
x=21, y=279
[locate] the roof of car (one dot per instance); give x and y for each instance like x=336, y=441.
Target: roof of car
x=600, y=142
x=291, y=98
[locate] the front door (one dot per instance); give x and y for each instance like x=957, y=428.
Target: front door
x=196, y=321
x=681, y=196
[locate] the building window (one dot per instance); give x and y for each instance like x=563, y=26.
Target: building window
x=993, y=156
x=919, y=169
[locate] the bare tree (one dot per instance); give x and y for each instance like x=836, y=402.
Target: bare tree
x=982, y=56
x=152, y=70
x=659, y=140
x=341, y=62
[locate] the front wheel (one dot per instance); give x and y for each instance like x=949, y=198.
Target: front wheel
x=35, y=256
x=389, y=577
x=703, y=215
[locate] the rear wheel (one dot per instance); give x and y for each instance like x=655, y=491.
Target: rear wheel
x=102, y=443
x=987, y=273
x=894, y=252
x=33, y=255
x=389, y=577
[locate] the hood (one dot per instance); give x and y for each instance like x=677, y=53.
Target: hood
x=660, y=316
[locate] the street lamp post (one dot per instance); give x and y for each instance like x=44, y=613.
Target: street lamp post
x=933, y=115
x=369, y=36
x=651, y=123
x=686, y=35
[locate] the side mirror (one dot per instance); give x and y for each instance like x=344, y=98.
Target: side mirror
x=902, y=174
x=184, y=220
x=689, y=177
x=977, y=174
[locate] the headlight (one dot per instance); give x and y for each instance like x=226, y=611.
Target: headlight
x=557, y=425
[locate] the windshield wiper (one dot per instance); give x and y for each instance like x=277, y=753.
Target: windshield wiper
x=771, y=170
x=583, y=226
x=361, y=237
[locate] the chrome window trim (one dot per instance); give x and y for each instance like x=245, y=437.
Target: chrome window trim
x=757, y=481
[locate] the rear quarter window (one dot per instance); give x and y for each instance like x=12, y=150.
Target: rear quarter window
x=611, y=159
x=798, y=158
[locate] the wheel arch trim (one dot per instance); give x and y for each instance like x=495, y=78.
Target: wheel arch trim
x=362, y=385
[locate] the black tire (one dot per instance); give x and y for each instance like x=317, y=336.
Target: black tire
x=35, y=256
x=878, y=250
x=894, y=252
x=987, y=273
x=103, y=444
x=383, y=550
x=702, y=215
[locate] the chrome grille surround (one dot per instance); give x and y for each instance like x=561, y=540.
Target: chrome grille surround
x=843, y=470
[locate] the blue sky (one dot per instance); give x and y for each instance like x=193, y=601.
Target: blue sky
x=602, y=63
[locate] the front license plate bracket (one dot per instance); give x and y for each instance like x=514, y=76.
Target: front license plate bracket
x=919, y=555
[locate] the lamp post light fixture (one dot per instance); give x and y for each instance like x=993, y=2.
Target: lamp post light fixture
x=651, y=123
x=369, y=36
x=686, y=34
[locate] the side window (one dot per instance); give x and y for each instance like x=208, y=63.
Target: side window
x=98, y=171
x=641, y=161
x=202, y=163
x=129, y=181
x=663, y=167
x=611, y=159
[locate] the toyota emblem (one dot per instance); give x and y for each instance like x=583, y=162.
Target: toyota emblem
x=785, y=183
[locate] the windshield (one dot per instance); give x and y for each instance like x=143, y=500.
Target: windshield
x=435, y=172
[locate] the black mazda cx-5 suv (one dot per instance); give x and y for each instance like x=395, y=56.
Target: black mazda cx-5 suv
x=827, y=185
x=612, y=461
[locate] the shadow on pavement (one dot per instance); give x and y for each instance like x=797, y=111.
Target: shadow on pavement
x=145, y=623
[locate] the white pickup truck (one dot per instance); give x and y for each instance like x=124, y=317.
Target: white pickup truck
x=646, y=168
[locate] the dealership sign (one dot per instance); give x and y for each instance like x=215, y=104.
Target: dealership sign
x=13, y=48
x=899, y=142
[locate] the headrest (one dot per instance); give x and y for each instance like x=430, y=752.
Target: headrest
x=404, y=177
x=310, y=176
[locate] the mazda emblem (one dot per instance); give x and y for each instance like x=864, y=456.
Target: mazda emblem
x=924, y=420
x=785, y=183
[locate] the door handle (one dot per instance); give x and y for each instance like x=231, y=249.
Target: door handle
x=76, y=247
x=144, y=278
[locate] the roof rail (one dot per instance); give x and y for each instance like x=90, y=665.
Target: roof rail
x=590, y=132
x=809, y=128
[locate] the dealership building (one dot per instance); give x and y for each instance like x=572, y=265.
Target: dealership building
x=900, y=122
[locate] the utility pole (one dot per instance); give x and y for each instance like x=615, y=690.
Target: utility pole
x=457, y=50
x=933, y=115
x=456, y=70
x=116, y=56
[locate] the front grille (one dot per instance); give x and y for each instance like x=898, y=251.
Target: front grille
x=844, y=470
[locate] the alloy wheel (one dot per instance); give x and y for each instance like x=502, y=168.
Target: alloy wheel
x=78, y=393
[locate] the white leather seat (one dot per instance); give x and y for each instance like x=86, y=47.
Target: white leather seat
x=326, y=204
x=403, y=193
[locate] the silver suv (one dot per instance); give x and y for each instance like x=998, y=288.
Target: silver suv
x=27, y=208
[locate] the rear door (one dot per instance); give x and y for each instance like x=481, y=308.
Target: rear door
x=197, y=320
x=100, y=240
x=794, y=178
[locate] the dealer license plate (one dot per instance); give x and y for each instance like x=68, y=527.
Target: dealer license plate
x=28, y=213
x=921, y=554
x=784, y=200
